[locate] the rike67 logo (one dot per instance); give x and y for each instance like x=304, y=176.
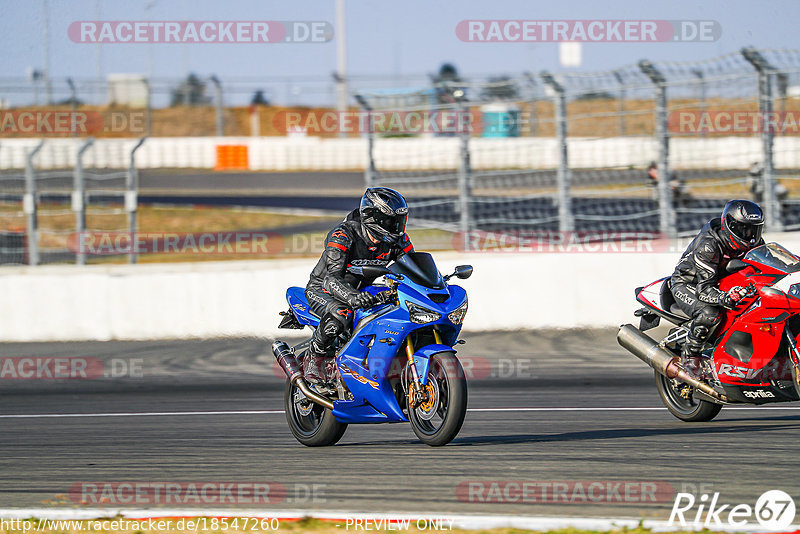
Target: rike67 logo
x=774, y=511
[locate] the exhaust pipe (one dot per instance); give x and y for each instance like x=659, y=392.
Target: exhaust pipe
x=288, y=362
x=648, y=350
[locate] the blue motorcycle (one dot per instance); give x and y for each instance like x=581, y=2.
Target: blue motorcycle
x=399, y=364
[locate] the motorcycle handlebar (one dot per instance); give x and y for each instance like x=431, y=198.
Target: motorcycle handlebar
x=752, y=290
x=385, y=297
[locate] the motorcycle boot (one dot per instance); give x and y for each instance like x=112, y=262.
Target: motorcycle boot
x=316, y=369
x=315, y=363
x=692, y=359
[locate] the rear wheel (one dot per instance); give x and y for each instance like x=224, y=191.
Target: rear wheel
x=311, y=424
x=437, y=420
x=679, y=399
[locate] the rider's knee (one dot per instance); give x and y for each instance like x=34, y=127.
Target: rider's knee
x=330, y=325
x=336, y=321
x=709, y=317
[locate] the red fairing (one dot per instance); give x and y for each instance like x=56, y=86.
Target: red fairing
x=750, y=347
x=764, y=323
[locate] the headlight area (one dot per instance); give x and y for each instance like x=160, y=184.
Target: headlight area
x=794, y=290
x=421, y=315
x=457, y=316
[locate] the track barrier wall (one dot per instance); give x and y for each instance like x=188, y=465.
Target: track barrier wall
x=421, y=153
x=507, y=291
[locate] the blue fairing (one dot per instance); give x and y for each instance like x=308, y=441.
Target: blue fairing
x=296, y=297
x=376, y=351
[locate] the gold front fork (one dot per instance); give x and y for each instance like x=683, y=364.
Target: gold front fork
x=436, y=336
x=416, y=393
x=414, y=387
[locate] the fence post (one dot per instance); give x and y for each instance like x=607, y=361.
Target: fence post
x=621, y=107
x=532, y=116
x=369, y=168
x=29, y=206
x=131, y=199
x=464, y=174
x=772, y=208
x=149, y=107
x=565, y=217
x=666, y=212
x=79, y=200
x=702, y=81
x=218, y=104
x=74, y=105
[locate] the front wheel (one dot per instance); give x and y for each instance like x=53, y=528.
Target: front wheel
x=437, y=420
x=311, y=424
x=679, y=399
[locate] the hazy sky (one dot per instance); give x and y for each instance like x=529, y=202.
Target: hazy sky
x=383, y=38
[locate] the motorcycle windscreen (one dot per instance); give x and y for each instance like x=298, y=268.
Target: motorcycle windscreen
x=775, y=256
x=420, y=268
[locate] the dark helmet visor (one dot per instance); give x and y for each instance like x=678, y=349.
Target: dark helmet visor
x=746, y=231
x=393, y=224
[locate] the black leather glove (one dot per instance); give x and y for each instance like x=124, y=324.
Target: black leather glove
x=362, y=300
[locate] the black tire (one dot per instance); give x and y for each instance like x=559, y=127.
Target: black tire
x=311, y=424
x=440, y=422
x=685, y=409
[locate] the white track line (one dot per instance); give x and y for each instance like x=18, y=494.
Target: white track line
x=272, y=412
x=620, y=409
x=137, y=414
x=462, y=521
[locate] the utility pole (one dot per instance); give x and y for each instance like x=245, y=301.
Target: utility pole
x=341, y=60
x=48, y=87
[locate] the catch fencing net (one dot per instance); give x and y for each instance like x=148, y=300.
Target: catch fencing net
x=584, y=151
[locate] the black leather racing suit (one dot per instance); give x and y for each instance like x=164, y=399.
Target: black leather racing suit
x=330, y=285
x=694, y=284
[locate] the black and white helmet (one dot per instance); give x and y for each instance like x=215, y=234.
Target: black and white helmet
x=742, y=224
x=384, y=213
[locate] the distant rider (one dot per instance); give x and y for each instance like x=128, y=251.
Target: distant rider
x=695, y=280
x=374, y=234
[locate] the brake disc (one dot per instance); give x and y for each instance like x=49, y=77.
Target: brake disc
x=427, y=409
x=301, y=402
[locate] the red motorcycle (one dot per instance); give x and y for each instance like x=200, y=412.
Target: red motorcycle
x=752, y=358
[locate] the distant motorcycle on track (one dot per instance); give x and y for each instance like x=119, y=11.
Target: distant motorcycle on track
x=754, y=358
x=399, y=365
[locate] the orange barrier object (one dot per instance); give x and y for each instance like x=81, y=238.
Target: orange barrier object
x=232, y=157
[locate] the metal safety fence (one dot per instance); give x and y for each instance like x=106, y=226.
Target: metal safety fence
x=50, y=216
x=649, y=147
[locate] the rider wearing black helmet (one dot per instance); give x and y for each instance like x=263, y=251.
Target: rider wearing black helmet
x=694, y=282
x=374, y=234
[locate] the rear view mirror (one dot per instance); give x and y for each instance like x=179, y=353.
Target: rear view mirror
x=461, y=271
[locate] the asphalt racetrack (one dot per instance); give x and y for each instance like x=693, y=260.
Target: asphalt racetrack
x=544, y=407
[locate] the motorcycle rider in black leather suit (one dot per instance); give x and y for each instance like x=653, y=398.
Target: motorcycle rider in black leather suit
x=694, y=282
x=374, y=234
